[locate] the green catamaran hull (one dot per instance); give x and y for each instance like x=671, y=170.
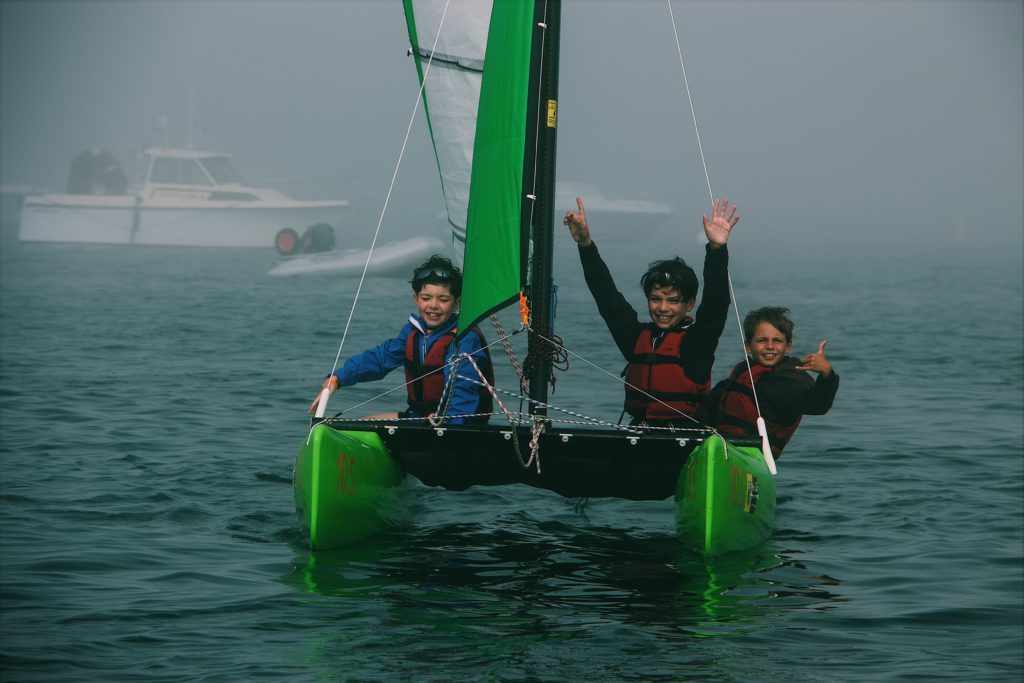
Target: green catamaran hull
x=346, y=487
x=725, y=498
x=347, y=482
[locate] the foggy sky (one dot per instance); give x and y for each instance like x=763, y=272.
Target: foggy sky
x=832, y=124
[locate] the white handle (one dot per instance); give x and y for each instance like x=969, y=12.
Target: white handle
x=766, y=448
x=321, y=407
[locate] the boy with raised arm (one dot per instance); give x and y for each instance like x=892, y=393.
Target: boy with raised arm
x=670, y=357
x=785, y=392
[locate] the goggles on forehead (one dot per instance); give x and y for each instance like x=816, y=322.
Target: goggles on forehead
x=661, y=279
x=439, y=272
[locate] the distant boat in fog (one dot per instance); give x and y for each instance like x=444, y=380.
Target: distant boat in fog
x=11, y=198
x=188, y=197
x=396, y=258
x=619, y=218
x=642, y=214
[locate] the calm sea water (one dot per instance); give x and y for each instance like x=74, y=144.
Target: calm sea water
x=152, y=401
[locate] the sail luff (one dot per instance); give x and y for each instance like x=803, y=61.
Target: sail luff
x=494, y=233
x=450, y=35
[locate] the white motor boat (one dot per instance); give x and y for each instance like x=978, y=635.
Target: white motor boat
x=188, y=198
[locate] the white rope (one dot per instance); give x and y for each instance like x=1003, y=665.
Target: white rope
x=391, y=187
x=538, y=429
x=686, y=84
x=483, y=381
x=707, y=177
x=732, y=293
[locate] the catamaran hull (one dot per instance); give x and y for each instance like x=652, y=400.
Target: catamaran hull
x=725, y=498
x=346, y=487
x=126, y=220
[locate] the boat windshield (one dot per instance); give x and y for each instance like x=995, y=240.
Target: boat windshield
x=222, y=171
x=178, y=172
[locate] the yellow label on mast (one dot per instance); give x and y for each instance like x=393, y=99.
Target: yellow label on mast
x=552, y=113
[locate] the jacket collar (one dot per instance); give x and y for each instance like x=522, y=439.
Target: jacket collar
x=657, y=334
x=421, y=325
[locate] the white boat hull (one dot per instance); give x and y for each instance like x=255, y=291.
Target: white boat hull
x=126, y=219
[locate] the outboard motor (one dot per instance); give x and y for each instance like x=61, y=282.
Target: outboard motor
x=319, y=237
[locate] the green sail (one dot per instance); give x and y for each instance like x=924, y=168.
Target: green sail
x=493, y=232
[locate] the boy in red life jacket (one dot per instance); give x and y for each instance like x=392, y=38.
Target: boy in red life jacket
x=423, y=346
x=785, y=392
x=670, y=357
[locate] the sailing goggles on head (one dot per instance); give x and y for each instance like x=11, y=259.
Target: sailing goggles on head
x=661, y=279
x=433, y=271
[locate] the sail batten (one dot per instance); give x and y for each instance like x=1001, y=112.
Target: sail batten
x=454, y=61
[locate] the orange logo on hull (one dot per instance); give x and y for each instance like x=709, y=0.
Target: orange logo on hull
x=346, y=474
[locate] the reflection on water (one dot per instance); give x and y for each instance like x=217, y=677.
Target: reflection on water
x=554, y=579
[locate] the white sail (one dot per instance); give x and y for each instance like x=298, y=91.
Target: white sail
x=449, y=47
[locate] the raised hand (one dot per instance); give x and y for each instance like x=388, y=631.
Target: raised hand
x=816, y=362
x=721, y=223
x=577, y=223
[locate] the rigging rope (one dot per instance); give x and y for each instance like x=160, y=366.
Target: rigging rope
x=510, y=352
x=553, y=351
x=567, y=352
x=686, y=85
x=732, y=293
x=426, y=374
x=391, y=187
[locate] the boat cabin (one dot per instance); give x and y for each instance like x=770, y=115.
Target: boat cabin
x=173, y=173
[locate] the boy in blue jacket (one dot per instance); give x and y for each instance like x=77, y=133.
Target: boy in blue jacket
x=423, y=346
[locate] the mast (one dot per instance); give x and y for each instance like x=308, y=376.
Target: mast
x=539, y=173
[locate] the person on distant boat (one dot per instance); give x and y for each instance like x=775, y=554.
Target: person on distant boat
x=785, y=390
x=423, y=346
x=670, y=358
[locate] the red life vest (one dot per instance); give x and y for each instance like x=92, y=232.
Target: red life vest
x=425, y=378
x=737, y=413
x=658, y=372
